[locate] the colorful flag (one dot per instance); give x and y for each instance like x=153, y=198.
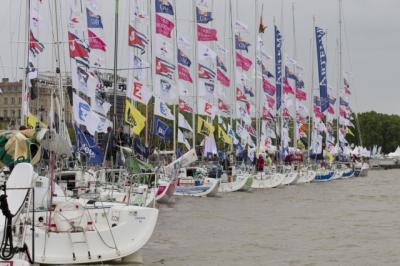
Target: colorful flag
x=183, y=59
x=96, y=42
x=241, y=27
x=287, y=89
x=93, y=20
x=184, y=74
x=139, y=92
x=203, y=16
x=164, y=6
x=165, y=69
x=78, y=49
x=270, y=102
x=33, y=122
x=86, y=146
x=134, y=118
x=222, y=135
x=183, y=123
x=322, y=72
x=243, y=62
x=301, y=95
x=203, y=127
x=240, y=44
x=161, y=129
x=223, y=107
x=342, y=102
x=240, y=95
x=161, y=109
x=268, y=87
x=137, y=39
x=205, y=108
x=183, y=106
x=278, y=67
x=205, y=72
x=206, y=34
x=35, y=46
x=223, y=79
x=164, y=26
x=183, y=140
x=221, y=64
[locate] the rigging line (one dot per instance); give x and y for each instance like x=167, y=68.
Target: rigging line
x=18, y=38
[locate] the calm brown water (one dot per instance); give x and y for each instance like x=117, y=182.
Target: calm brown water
x=343, y=222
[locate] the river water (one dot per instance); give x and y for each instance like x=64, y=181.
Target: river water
x=343, y=222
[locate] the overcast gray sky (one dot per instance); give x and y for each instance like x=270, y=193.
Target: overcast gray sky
x=371, y=43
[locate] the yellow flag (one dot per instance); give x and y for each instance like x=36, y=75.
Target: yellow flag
x=205, y=128
x=134, y=118
x=32, y=121
x=222, y=135
x=348, y=131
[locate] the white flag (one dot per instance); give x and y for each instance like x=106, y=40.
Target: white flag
x=164, y=48
x=97, y=123
x=161, y=109
x=138, y=92
x=183, y=43
x=221, y=49
x=183, y=123
x=206, y=108
x=183, y=140
x=241, y=27
x=205, y=52
x=81, y=110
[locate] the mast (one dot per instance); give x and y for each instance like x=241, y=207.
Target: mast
x=176, y=77
x=195, y=72
x=340, y=68
x=257, y=94
x=115, y=63
x=25, y=83
x=295, y=137
x=233, y=66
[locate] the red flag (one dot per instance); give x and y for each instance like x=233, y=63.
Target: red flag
x=163, y=68
x=268, y=87
x=164, y=26
x=240, y=95
x=301, y=94
x=270, y=102
x=342, y=112
x=183, y=106
x=287, y=89
x=95, y=42
x=317, y=112
x=223, y=107
x=243, y=62
x=331, y=110
x=205, y=72
x=206, y=34
x=76, y=47
x=184, y=74
x=224, y=80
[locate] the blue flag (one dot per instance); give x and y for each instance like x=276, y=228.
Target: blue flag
x=93, y=20
x=161, y=129
x=241, y=45
x=321, y=56
x=87, y=147
x=183, y=59
x=203, y=16
x=343, y=102
x=139, y=148
x=278, y=67
x=164, y=6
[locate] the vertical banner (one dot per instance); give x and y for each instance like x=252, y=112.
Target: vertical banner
x=321, y=56
x=278, y=67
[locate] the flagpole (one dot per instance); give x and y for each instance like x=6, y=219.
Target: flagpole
x=257, y=94
x=196, y=76
x=340, y=69
x=25, y=86
x=176, y=77
x=233, y=66
x=295, y=131
x=115, y=63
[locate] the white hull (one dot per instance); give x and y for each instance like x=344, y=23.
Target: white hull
x=208, y=189
x=117, y=232
x=290, y=178
x=241, y=184
x=306, y=177
x=262, y=180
